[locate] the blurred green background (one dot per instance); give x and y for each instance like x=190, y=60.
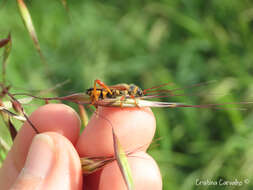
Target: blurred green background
x=150, y=43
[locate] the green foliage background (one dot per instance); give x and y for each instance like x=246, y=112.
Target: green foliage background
x=149, y=43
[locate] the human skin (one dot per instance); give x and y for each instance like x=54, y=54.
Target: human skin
x=51, y=159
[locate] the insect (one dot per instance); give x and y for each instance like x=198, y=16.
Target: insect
x=129, y=95
x=120, y=90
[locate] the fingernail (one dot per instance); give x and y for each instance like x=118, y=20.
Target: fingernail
x=40, y=156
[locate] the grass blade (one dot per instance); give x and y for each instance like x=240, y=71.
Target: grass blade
x=3, y=42
x=64, y=3
x=90, y=165
x=27, y=19
x=83, y=115
x=11, y=114
x=12, y=129
x=7, y=120
x=4, y=145
x=8, y=104
x=122, y=162
x=7, y=50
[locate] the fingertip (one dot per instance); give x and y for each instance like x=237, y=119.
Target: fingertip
x=36, y=169
x=67, y=171
x=50, y=117
x=42, y=146
x=52, y=163
x=58, y=118
x=134, y=127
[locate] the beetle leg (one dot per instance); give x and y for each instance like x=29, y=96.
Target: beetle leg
x=94, y=93
x=100, y=83
x=122, y=98
x=132, y=96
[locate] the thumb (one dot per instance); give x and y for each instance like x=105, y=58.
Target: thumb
x=51, y=163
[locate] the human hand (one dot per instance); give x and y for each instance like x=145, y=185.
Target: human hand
x=49, y=160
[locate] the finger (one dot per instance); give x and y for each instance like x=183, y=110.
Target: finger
x=145, y=172
x=52, y=163
x=91, y=181
x=51, y=117
x=134, y=127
